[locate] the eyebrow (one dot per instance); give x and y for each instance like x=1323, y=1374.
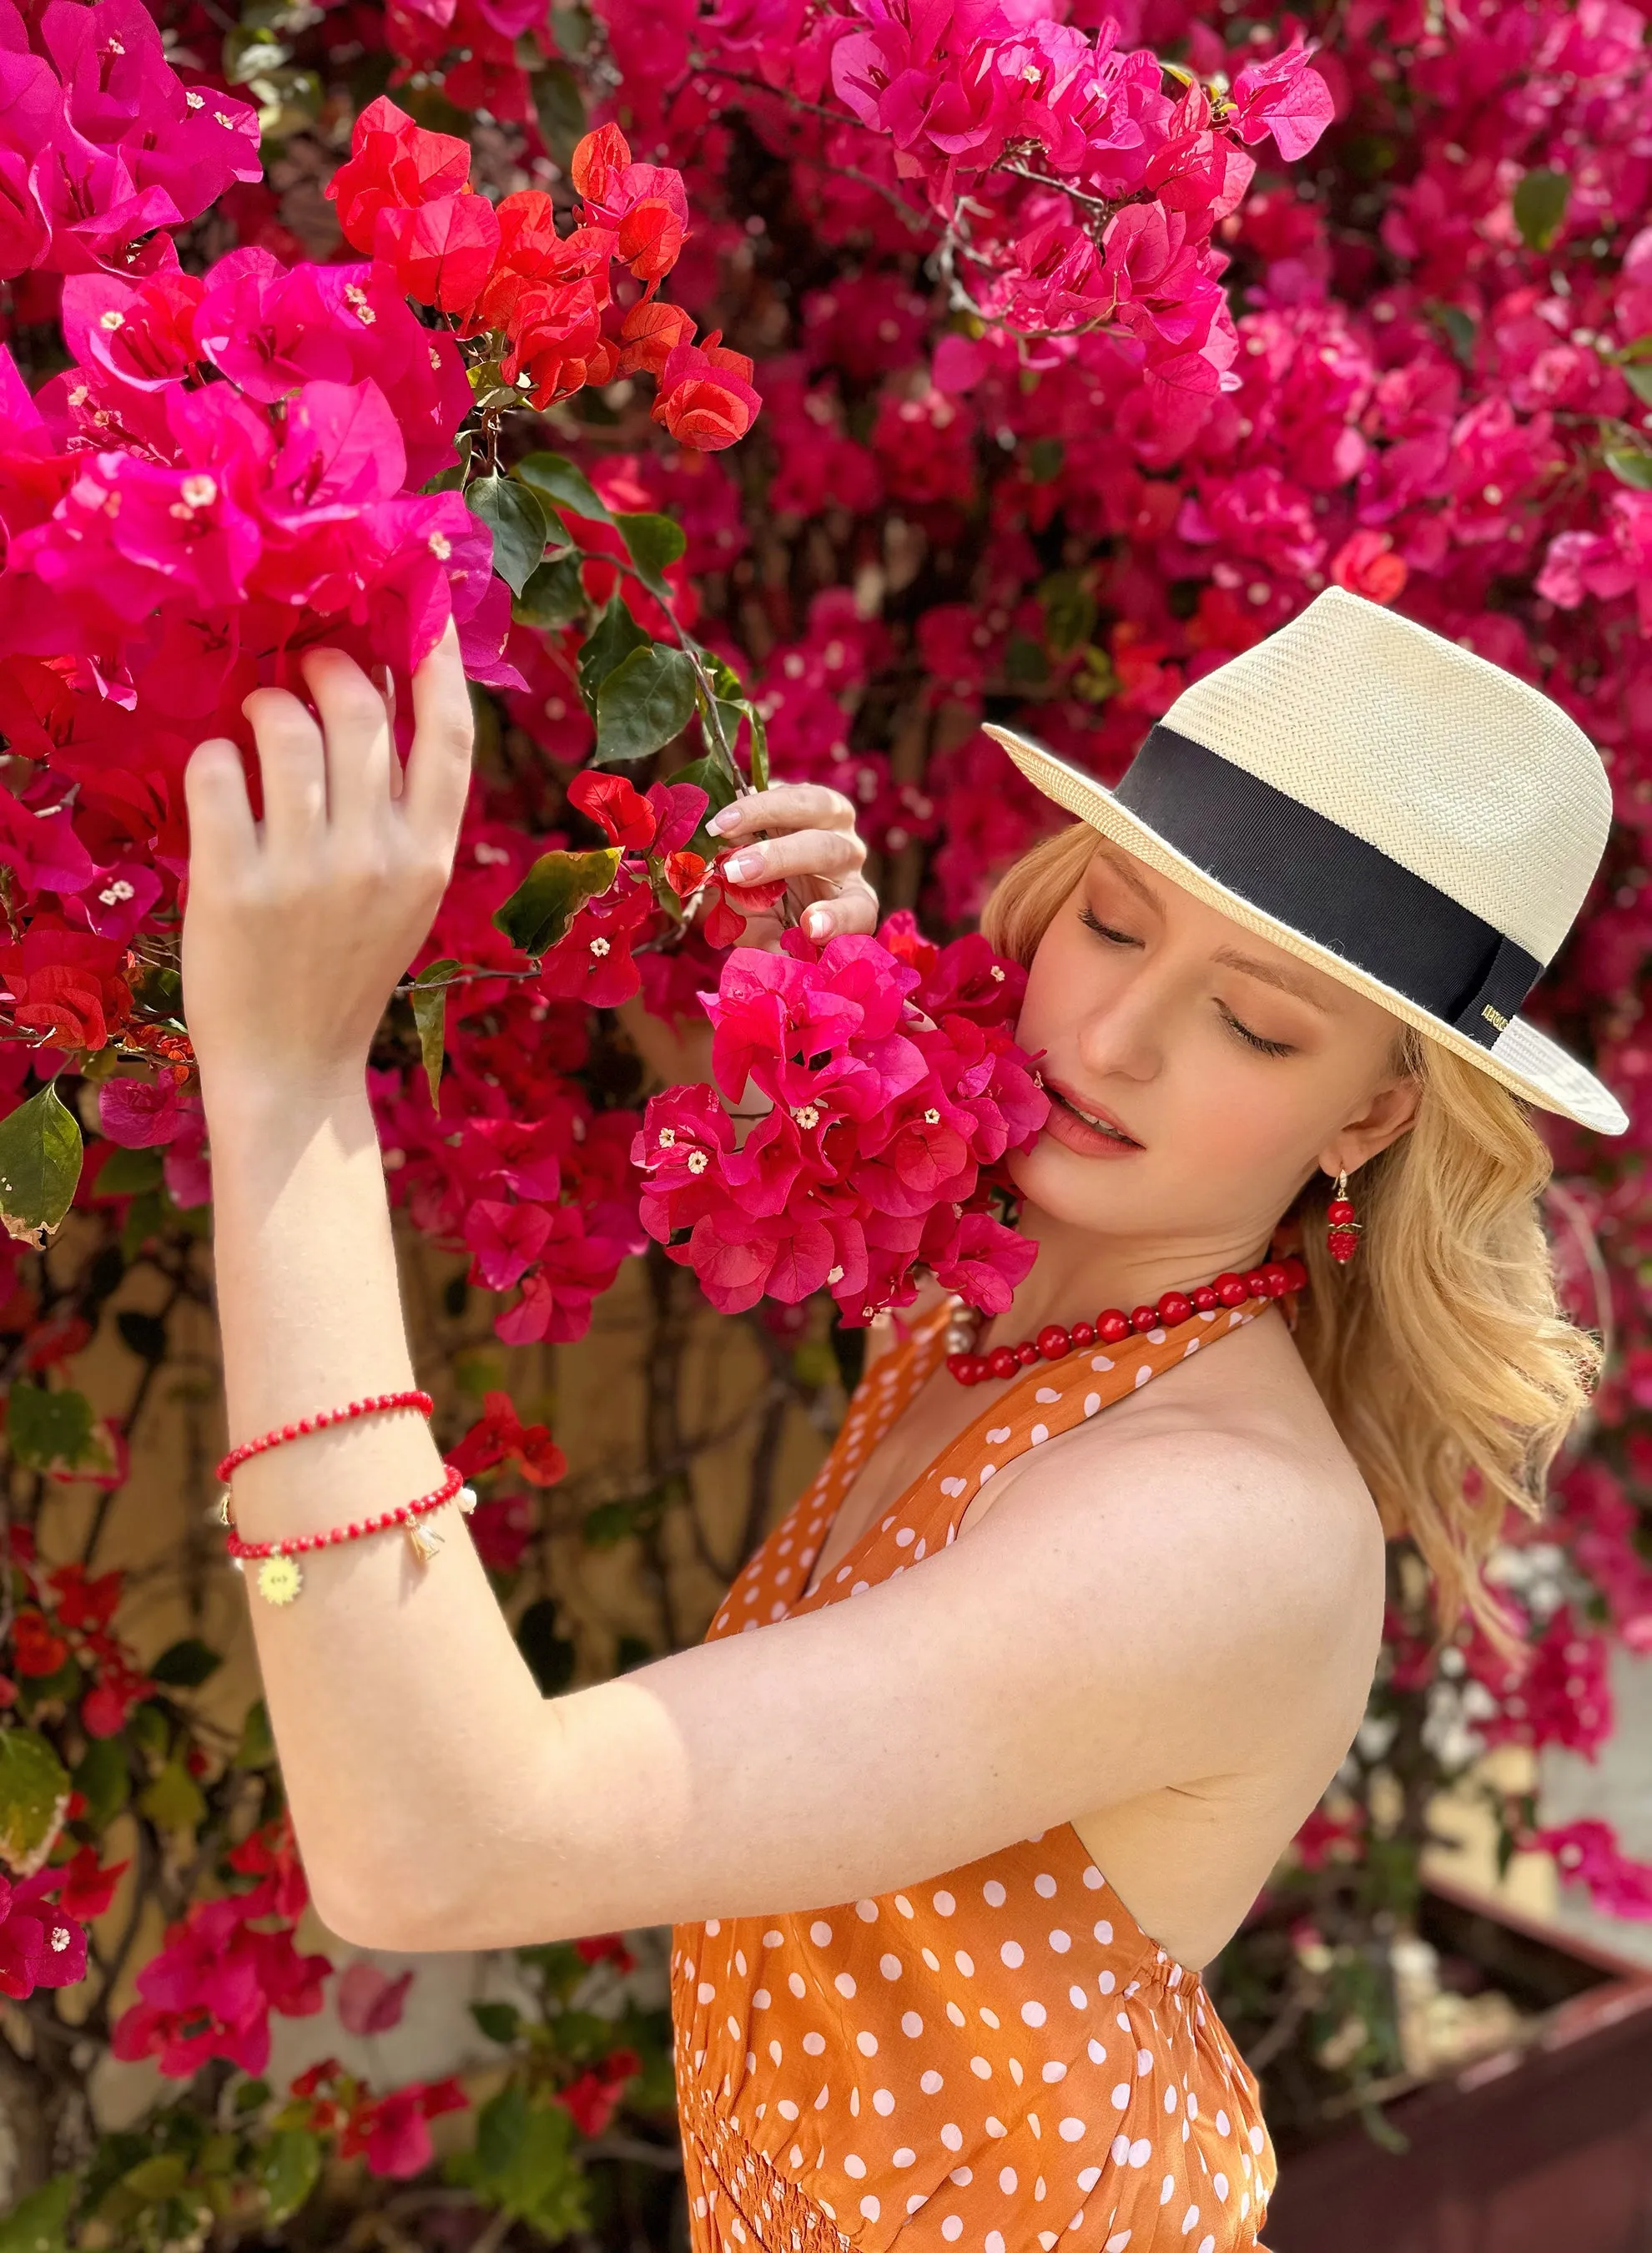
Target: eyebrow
x=1270, y=973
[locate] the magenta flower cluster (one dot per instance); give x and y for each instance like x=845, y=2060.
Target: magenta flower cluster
x=894, y=1089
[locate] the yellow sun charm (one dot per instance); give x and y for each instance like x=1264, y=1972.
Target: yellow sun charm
x=279, y=1580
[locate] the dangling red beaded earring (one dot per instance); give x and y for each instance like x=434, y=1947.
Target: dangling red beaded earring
x=1341, y=1230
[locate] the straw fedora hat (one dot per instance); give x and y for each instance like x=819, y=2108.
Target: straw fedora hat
x=1387, y=805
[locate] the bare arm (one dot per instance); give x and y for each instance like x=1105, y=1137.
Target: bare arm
x=440, y=1802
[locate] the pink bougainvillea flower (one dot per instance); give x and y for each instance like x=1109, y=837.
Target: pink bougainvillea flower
x=40, y=1946
x=368, y=2000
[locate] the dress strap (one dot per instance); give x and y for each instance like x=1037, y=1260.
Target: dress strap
x=1048, y=1398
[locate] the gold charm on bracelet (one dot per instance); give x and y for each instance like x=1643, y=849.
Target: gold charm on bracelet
x=423, y=1543
x=225, y=1512
x=279, y=1580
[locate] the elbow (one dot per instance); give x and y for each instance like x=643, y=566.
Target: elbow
x=366, y=1912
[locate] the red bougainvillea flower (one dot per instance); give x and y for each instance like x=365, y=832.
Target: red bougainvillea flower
x=392, y=2131
x=891, y=1110
x=592, y=2097
x=40, y=1946
x=705, y=397
x=500, y=1436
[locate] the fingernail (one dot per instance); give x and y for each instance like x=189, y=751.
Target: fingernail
x=817, y=923
x=719, y=822
x=743, y=866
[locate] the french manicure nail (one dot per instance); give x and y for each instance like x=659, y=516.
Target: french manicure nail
x=725, y=820
x=743, y=866
x=820, y=923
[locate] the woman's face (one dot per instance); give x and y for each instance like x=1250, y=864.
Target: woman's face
x=1235, y=1069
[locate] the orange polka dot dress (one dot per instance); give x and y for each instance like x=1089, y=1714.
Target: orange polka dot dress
x=994, y=2060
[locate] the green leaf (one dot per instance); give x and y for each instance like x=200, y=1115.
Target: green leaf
x=40, y=1154
x=560, y=107
x=1540, y=206
x=127, y=1173
x=553, y=596
x=608, y=644
x=145, y=1334
x=1638, y=376
x=34, y=1790
x=103, y=1781
x=173, y=1801
x=257, y=1746
x=429, y=999
x=759, y=752
x=711, y=776
x=523, y=2161
x=500, y=2022
x=1070, y=611
x=40, y=2223
x=288, y=2169
x=1025, y=664
x=185, y=1665
x=544, y=905
x=47, y=1431
x=652, y=542
x=1044, y=459
x=563, y=484
x=153, y=2179
x=1630, y=467
x=550, y=1656
x=513, y=513
x=644, y=704
x=609, y=1523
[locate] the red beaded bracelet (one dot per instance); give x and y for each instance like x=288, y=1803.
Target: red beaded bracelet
x=280, y=1579
x=373, y=1404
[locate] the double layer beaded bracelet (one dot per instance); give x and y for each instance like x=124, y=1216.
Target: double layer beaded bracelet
x=279, y=1578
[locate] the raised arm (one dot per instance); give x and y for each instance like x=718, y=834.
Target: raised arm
x=439, y=1800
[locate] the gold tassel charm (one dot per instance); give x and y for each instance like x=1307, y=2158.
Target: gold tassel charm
x=423, y=1543
x=225, y=1513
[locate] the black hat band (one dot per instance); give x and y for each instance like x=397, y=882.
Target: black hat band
x=1332, y=887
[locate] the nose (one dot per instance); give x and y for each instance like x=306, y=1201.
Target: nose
x=1123, y=1033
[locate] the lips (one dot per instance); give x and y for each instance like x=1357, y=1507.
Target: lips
x=1088, y=1126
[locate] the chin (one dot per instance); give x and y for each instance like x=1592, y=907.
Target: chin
x=1103, y=1194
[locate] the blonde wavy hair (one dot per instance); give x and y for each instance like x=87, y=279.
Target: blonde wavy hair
x=1443, y=1354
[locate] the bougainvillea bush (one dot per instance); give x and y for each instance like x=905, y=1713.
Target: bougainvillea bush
x=761, y=386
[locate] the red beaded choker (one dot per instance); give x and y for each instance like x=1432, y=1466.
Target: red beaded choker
x=1112, y=1326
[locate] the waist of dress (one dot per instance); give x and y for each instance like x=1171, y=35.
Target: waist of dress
x=736, y=2194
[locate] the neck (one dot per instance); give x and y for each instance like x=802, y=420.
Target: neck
x=1077, y=1273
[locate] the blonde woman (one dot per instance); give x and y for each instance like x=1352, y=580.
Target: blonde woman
x=1080, y=1617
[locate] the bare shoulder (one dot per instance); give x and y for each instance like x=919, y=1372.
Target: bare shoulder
x=1224, y=1487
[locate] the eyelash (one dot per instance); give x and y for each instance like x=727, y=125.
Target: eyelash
x=1251, y=1039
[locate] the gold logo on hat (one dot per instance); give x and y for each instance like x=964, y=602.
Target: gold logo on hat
x=1496, y=1017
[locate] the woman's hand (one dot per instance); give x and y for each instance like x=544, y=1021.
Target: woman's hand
x=298, y=927
x=806, y=833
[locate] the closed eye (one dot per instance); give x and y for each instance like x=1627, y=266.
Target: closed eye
x=1267, y=1048
x=1093, y=922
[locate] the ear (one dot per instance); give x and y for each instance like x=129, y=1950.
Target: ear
x=1389, y=1112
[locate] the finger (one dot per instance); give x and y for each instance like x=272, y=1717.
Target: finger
x=221, y=829
x=292, y=762
x=356, y=735
x=787, y=805
x=855, y=908
x=438, y=777
x=834, y=852
x=385, y=679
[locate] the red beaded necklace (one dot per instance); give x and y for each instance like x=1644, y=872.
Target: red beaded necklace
x=1113, y=1325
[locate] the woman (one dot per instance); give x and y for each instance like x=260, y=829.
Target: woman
x=1098, y=1694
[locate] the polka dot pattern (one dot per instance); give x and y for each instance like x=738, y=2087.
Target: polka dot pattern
x=997, y=2058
